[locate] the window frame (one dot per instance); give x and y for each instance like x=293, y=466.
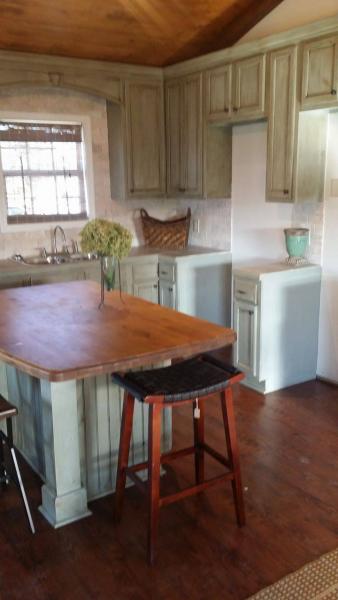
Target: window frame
x=88, y=177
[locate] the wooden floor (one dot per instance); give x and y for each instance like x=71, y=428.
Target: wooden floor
x=288, y=443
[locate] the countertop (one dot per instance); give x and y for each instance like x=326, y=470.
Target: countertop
x=57, y=332
x=10, y=266
x=257, y=271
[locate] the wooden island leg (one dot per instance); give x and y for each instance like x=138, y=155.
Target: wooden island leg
x=64, y=498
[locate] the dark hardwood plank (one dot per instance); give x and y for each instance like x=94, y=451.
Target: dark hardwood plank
x=288, y=449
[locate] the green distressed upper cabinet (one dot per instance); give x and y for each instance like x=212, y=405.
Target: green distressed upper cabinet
x=145, y=148
x=249, y=88
x=219, y=93
x=236, y=92
x=320, y=73
x=184, y=136
x=198, y=155
x=281, y=124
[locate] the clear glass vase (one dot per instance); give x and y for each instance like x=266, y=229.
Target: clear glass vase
x=109, y=269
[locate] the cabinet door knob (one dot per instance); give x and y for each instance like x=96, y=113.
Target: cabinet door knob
x=226, y=110
x=181, y=189
x=285, y=192
x=170, y=289
x=334, y=92
x=235, y=109
x=155, y=285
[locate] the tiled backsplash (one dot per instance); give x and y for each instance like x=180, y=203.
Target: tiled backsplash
x=310, y=215
x=213, y=215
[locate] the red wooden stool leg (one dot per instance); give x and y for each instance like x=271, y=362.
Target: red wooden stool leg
x=198, y=440
x=154, y=461
x=126, y=429
x=231, y=440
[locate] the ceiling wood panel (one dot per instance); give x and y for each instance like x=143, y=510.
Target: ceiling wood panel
x=147, y=32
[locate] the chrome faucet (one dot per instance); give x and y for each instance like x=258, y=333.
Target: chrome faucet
x=64, y=248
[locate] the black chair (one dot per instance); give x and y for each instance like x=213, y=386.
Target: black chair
x=9, y=469
x=194, y=381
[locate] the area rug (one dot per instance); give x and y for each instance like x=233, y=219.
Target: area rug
x=318, y=580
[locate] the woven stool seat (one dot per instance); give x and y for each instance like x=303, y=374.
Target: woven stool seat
x=192, y=378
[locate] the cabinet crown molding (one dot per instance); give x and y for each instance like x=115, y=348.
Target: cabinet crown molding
x=278, y=40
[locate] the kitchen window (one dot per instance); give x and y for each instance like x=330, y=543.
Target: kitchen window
x=42, y=171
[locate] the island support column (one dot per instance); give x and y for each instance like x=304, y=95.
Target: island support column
x=64, y=499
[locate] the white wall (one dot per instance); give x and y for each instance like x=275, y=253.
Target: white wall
x=328, y=322
x=257, y=226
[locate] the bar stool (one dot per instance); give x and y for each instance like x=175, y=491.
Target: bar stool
x=7, y=411
x=195, y=381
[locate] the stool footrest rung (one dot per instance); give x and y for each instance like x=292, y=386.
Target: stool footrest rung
x=137, y=480
x=195, y=489
x=217, y=456
x=165, y=458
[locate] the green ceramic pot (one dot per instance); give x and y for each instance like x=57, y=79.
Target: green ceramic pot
x=296, y=240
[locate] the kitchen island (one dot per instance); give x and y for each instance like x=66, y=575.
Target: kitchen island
x=57, y=352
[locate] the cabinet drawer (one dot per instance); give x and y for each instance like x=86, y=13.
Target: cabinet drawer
x=166, y=271
x=246, y=290
x=144, y=271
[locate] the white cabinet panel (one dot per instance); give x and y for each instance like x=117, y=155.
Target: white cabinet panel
x=277, y=338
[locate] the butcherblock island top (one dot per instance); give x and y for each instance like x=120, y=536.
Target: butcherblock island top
x=56, y=331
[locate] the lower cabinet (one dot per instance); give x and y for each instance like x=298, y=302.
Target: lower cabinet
x=32, y=275
x=194, y=282
x=147, y=290
x=13, y=281
x=246, y=325
x=276, y=317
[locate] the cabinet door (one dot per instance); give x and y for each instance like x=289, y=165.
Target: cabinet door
x=167, y=294
x=148, y=290
x=92, y=272
x=184, y=136
x=249, y=88
x=58, y=276
x=246, y=347
x=174, y=124
x=145, y=139
x=192, y=136
x=14, y=281
x=218, y=93
x=320, y=73
x=281, y=124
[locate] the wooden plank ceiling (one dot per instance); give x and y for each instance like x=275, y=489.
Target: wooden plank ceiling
x=147, y=32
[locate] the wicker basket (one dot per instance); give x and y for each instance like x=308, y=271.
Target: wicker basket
x=172, y=235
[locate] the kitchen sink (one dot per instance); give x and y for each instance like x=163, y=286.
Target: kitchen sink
x=53, y=259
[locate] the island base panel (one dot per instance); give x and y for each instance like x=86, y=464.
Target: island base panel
x=65, y=509
x=69, y=433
